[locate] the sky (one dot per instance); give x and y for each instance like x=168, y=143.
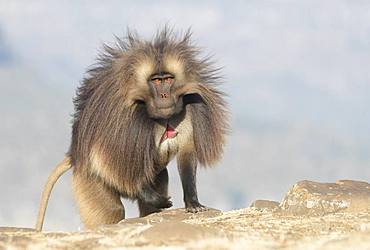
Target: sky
x=296, y=73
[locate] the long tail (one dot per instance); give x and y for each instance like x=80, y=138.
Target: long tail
x=58, y=171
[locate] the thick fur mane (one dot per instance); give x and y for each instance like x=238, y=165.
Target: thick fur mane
x=107, y=120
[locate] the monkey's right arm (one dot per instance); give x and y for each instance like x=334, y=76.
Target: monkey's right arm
x=153, y=198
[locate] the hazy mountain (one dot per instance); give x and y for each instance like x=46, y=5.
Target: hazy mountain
x=5, y=55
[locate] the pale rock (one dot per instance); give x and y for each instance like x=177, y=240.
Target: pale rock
x=314, y=198
x=265, y=205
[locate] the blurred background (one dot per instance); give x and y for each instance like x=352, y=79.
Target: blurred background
x=297, y=74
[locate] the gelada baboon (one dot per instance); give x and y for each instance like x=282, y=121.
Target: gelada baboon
x=142, y=104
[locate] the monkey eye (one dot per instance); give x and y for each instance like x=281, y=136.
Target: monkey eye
x=156, y=81
x=168, y=80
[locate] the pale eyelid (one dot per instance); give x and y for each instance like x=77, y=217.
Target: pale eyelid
x=168, y=80
x=156, y=81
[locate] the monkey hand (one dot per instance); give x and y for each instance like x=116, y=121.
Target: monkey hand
x=153, y=198
x=163, y=202
x=159, y=201
x=195, y=207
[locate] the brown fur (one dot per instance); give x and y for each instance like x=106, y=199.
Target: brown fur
x=115, y=149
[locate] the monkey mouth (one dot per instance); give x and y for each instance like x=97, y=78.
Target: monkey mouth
x=169, y=133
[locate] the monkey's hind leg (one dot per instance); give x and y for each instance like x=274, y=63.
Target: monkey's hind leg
x=160, y=186
x=98, y=203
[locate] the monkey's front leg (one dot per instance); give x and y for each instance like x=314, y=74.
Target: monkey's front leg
x=187, y=166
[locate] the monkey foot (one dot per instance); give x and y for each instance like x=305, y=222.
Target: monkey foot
x=196, y=208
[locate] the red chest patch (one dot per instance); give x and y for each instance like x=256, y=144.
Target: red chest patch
x=169, y=133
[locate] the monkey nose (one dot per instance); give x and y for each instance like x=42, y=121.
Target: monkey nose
x=164, y=95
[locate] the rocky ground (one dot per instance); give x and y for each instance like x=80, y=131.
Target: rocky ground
x=311, y=216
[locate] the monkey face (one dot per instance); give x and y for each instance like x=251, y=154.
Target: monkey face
x=164, y=84
x=165, y=101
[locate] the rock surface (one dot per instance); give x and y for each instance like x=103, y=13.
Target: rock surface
x=308, y=218
x=313, y=198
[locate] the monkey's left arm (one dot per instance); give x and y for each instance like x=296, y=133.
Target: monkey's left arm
x=187, y=166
